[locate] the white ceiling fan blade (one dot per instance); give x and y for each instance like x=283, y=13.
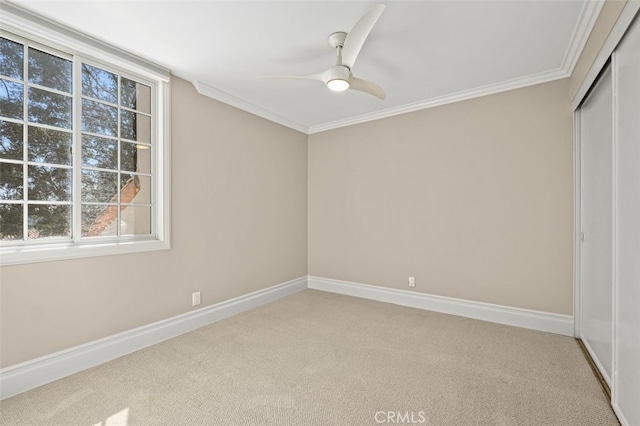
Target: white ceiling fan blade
x=367, y=87
x=358, y=35
x=316, y=76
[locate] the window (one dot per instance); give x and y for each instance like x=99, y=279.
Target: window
x=116, y=155
x=83, y=167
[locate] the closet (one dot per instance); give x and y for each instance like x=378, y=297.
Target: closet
x=608, y=224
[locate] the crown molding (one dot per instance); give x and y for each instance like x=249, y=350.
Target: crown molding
x=630, y=11
x=588, y=15
x=219, y=95
x=581, y=32
x=490, y=89
x=517, y=83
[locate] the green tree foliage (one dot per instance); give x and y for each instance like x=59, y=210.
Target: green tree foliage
x=44, y=183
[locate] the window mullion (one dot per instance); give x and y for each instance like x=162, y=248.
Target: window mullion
x=25, y=144
x=119, y=231
x=76, y=144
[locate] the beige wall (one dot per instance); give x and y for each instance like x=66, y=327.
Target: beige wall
x=474, y=199
x=603, y=26
x=239, y=225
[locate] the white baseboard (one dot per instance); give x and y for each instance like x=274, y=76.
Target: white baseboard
x=535, y=320
x=31, y=374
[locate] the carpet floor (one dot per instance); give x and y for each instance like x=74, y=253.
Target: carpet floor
x=317, y=358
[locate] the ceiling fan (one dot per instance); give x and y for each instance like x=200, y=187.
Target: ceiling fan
x=348, y=45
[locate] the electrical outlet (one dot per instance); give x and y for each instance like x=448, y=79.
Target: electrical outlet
x=412, y=281
x=195, y=298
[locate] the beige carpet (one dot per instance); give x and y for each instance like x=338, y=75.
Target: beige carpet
x=317, y=358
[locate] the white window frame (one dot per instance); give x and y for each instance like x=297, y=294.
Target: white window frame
x=16, y=21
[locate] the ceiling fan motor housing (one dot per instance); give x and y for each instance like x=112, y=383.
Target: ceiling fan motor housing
x=338, y=72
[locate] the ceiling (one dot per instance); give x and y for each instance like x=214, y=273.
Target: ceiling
x=423, y=53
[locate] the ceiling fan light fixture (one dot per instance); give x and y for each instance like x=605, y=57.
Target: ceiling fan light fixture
x=338, y=85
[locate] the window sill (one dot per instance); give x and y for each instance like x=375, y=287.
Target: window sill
x=34, y=254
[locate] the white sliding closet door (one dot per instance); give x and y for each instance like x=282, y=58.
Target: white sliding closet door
x=626, y=389
x=596, y=134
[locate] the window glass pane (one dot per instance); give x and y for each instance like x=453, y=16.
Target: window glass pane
x=11, y=58
x=135, y=220
x=49, y=71
x=11, y=99
x=135, y=95
x=49, y=220
x=49, y=108
x=128, y=157
x=136, y=127
x=99, y=187
x=99, y=152
x=135, y=158
x=11, y=146
x=49, y=183
x=11, y=182
x=11, y=221
x=99, y=220
x=99, y=118
x=49, y=146
x=135, y=189
x=99, y=84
